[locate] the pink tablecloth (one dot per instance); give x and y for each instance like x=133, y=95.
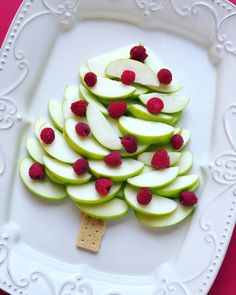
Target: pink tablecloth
x=225, y=283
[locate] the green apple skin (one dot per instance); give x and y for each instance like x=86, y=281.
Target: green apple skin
x=44, y=189
x=34, y=149
x=146, y=158
x=176, y=118
x=128, y=168
x=64, y=172
x=147, y=132
x=87, y=194
x=112, y=209
x=178, y=130
x=107, y=88
x=89, y=97
x=87, y=147
x=185, y=163
x=179, y=215
x=158, y=205
x=55, y=113
x=155, y=179
x=143, y=74
x=181, y=183
x=52, y=177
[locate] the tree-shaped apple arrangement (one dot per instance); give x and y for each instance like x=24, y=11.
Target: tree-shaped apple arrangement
x=112, y=146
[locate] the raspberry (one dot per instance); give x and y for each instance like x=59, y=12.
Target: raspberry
x=160, y=159
x=138, y=53
x=82, y=129
x=127, y=77
x=129, y=142
x=188, y=199
x=177, y=141
x=164, y=76
x=144, y=196
x=117, y=109
x=113, y=159
x=80, y=166
x=155, y=105
x=79, y=107
x=36, y=171
x=90, y=79
x=103, y=186
x=47, y=135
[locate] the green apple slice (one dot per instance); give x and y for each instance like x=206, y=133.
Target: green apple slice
x=146, y=158
x=87, y=194
x=65, y=172
x=37, y=125
x=90, y=98
x=41, y=188
x=59, y=149
x=146, y=131
x=109, y=210
x=55, y=113
x=173, y=103
x=186, y=137
x=140, y=90
x=147, y=169
x=107, y=88
x=140, y=111
x=101, y=129
x=140, y=149
x=71, y=92
x=181, y=183
x=34, y=149
x=128, y=168
x=143, y=74
x=52, y=177
x=185, y=163
x=157, y=206
x=178, y=130
x=180, y=214
x=155, y=179
x=88, y=146
x=175, y=118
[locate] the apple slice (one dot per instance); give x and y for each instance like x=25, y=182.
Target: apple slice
x=128, y=168
x=146, y=131
x=173, y=103
x=59, y=149
x=41, y=188
x=34, y=149
x=101, y=129
x=146, y=158
x=140, y=90
x=55, y=113
x=88, y=146
x=87, y=194
x=186, y=137
x=53, y=177
x=71, y=92
x=64, y=172
x=90, y=98
x=178, y=130
x=140, y=111
x=143, y=74
x=185, y=163
x=107, y=88
x=140, y=149
x=157, y=206
x=181, y=183
x=109, y=210
x=37, y=126
x=180, y=214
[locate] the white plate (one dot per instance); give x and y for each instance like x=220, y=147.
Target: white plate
x=46, y=44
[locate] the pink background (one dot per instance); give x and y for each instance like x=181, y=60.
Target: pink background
x=225, y=283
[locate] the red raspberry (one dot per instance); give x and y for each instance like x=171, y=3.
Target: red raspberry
x=129, y=142
x=81, y=166
x=103, y=186
x=79, y=107
x=177, y=141
x=117, y=109
x=160, y=159
x=155, y=105
x=36, y=171
x=138, y=53
x=82, y=129
x=127, y=77
x=188, y=199
x=47, y=135
x=90, y=79
x=164, y=76
x=144, y=196
x=113, y=159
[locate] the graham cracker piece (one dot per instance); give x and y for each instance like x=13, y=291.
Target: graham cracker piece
x=91, y=233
